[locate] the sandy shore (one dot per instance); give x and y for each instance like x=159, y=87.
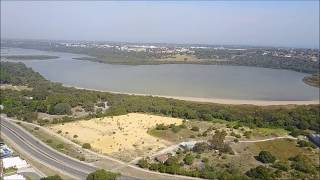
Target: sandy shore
x=218, y=100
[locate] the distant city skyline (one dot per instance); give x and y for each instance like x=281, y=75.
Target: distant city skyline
x=250, y=23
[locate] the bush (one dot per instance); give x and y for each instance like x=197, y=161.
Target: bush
x=201, y=147
x=59, y=132
x=301, y=163
x=60, y=146
x=283, y=166
x=188, y=159
x=55, y=177
x=82, y=158
x=49, y=141
x=303, y=143
x=86, y=146
x=266, y=157
x=195, y=128
x=161, y=127
x=260, y=172
x=36, y=128
x=61, y=108
x=175, y=129
x=75, y=136
x=143, y=163
x=102, y=174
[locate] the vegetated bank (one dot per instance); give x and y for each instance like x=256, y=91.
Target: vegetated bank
x=55, y=99
x=250, y=57
x=313, y=80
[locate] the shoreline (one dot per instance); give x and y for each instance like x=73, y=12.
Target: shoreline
x=215, y=100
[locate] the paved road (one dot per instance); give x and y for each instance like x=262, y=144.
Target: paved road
x=45, y=154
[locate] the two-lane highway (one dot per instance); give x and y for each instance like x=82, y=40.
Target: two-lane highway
x=39, y=151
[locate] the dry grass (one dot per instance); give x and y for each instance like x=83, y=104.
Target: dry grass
x=123, y=136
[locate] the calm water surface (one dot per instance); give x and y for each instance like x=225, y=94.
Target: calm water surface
x=204, y=81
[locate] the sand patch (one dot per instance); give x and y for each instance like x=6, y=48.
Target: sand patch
x=121, y=136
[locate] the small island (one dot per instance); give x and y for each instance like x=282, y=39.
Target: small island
x=29, y=57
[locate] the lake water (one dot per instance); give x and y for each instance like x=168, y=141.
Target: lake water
x=202, y=81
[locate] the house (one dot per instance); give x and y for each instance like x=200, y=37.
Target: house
x=162, y=158
x=315, y=138
x=187, y=145
x=16, y=162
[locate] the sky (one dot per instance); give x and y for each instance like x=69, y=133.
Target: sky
x=257, y=23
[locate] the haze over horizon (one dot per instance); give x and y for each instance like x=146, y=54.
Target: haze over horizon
x=285, y=23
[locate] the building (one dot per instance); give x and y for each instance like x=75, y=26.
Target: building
x=14, y=177
x=16, y=162
x=162, y=158
x=315, y=138
x=187, y=145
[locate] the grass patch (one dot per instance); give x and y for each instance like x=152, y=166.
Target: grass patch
x=282, y=148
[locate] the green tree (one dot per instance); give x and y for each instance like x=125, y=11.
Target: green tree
x=266, y=157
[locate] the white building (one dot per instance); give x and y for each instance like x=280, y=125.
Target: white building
x=14, y=177
x=16, y=162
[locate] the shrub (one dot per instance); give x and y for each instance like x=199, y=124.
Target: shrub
x=143, y=163
x=205, y=160
x=60, y=146
x=82, y=158
x=200, y=147
x=55, y=177
x=195, y=128
x=266, y=157
x=161, y=127
x=260, y=172
x=75, y=136
x=86, y=146
x=283, y=166
x=102, y=174
x=36, y=128
x=62, y=108
x=188, y=159
x=175, y=129
x=49, y=141
x=303, y=143
x=301, y=163
x=59, y=132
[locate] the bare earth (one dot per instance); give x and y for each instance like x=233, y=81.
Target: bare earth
x=124, y=137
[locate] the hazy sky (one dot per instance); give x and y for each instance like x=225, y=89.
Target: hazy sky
x=284, y=23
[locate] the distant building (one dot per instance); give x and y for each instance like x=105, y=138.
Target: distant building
x=162, y=158
x=315, y=138
x=187, y=145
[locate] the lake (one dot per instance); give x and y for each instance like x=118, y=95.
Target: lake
x=186, y=80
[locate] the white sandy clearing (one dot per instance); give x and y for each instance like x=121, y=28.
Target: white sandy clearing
x=124, y=135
